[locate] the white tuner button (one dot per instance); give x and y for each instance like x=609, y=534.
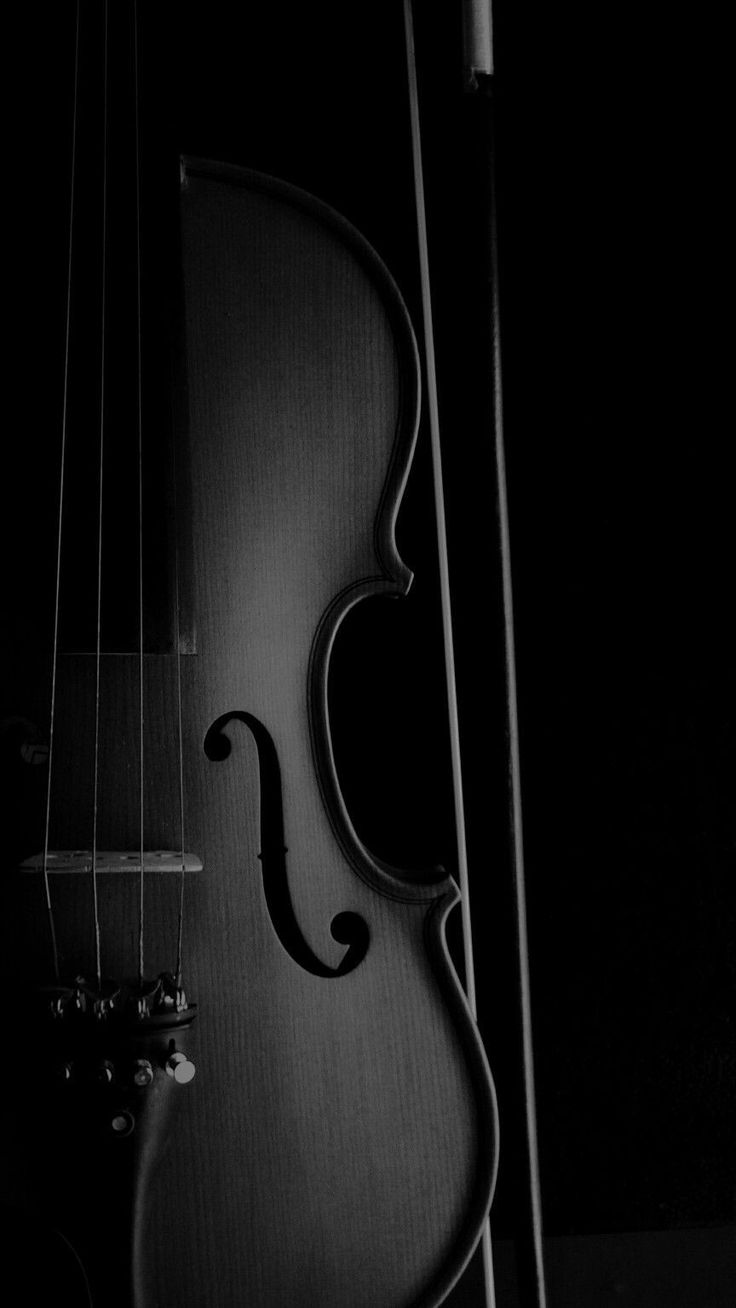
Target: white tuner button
x=180, y=1067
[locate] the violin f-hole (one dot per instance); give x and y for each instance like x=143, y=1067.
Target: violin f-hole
x=348, y=928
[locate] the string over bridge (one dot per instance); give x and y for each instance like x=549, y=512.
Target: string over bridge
x=82, y=860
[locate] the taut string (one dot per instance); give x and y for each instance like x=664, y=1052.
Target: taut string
x=177, y=637
x=98, y=643
x=182, y=874
x=59, y=534
x=140, y=494
x=180, y=730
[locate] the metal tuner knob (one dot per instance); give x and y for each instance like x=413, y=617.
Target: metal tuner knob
x=142, y=1072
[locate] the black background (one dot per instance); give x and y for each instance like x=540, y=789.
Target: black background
x=611, y=166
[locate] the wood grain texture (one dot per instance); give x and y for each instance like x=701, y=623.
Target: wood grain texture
x=337, y=1149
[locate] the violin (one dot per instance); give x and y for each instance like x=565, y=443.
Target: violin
x=252, y=1074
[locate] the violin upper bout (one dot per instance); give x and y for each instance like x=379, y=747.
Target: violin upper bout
x=303, y=377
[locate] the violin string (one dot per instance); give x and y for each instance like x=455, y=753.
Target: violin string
x=446, y=605
x=60, y=520
x=177, y=637
x=180, y=727
x=98, y=643
x=139, y=361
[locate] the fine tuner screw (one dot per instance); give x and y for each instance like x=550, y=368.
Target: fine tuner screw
x=142, y=1072
x=122, y=1123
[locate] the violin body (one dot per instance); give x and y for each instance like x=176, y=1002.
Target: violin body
x=337, y=1145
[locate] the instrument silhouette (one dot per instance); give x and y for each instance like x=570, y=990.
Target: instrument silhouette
x=251, y=1073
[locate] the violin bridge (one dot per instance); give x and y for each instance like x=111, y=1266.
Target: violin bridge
x=83, y=860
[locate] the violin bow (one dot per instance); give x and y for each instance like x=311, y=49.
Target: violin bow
x=479, y=79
